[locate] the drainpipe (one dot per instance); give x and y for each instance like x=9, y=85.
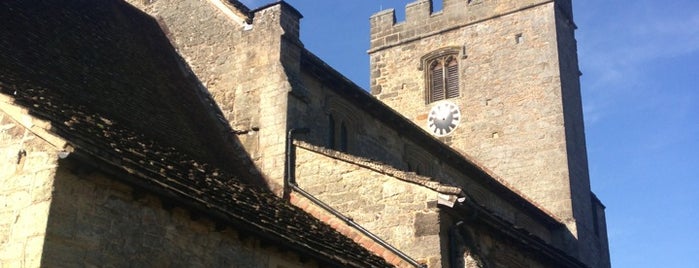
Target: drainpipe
x=456, y=231
x=451, y=201
x=454, y=256
x=290, y=170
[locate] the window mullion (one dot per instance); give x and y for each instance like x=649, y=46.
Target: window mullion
x=444, y=78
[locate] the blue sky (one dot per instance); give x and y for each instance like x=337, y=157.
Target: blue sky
x=640, y=64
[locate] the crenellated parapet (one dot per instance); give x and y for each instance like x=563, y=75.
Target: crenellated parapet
x=421, y=20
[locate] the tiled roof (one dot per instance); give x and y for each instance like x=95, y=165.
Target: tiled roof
x=95, y=70
x=117, y=61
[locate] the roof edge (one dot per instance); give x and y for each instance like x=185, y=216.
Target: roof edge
x=506, y=228
x=35, y=125
x=284, y=4
x=382, y=168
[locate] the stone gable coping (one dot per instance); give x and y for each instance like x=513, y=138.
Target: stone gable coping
x=239, y=13
x=239, y=5
x=385, y=169
x=284, y=4
x=38, y=127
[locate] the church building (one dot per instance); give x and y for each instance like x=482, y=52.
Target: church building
x=202, y=133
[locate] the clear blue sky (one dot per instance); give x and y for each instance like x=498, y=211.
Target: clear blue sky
x=640, y=64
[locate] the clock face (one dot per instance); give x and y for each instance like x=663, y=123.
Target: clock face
x=443, y=118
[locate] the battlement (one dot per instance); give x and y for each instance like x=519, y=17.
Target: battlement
x=421, y=20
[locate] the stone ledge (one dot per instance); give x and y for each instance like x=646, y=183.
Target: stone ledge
x=38, y=127
x=385, y=169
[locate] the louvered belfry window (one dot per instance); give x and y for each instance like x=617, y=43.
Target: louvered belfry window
x=443, y=77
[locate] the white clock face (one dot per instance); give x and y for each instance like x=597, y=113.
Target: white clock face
x=443, y=118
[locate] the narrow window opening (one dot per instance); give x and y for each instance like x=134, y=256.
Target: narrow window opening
x=343, y=137
x=331, y=132
x=452, y=78
x=437, y=81
x=519, y=38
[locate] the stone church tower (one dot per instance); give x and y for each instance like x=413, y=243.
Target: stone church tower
x=498, y=81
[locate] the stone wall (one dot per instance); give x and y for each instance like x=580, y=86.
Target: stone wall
x=401, y=207
x=339, y=224
x=27, y=167
x=404, y=214
x=592, y=246
x=241, y=65
x=369, y=138
x=96, y=220
x=366, y=136
x=497, y=251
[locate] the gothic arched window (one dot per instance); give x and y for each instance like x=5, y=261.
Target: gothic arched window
x=443, y=78
x=338, y=134
x=441, y=72
x=344, y=125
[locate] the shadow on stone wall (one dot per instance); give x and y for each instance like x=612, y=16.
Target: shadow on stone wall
x=109, y=59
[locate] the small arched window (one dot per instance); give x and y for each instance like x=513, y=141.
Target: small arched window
x=338, y=134
x=344, y=125
x=443, y=78
x=441, y=72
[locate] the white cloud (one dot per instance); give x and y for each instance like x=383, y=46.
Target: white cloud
x=642, y=34
x=665, y=37
x=620, y=46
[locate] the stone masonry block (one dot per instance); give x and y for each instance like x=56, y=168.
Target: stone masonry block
x=426, y=224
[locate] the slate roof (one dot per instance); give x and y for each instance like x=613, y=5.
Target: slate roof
x=103, y=74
